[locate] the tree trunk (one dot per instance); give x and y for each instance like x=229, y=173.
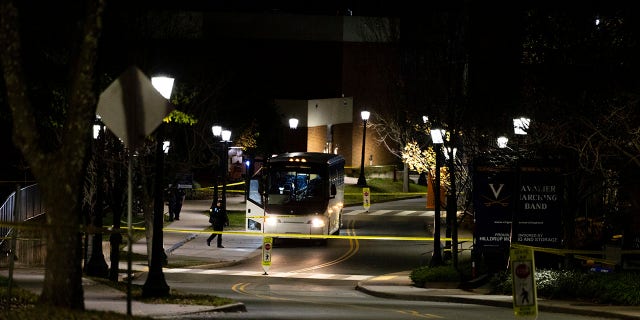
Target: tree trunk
x=59, y=173
x=405, y=178
x=63, y=272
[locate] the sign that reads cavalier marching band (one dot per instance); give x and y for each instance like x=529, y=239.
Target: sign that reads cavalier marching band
x=539, y=207
x=528, y=196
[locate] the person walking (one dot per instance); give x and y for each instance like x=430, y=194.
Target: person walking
x=171, y=202
x=218, y=218
x=179, y=199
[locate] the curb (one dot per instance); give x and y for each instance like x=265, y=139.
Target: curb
x=493, y=303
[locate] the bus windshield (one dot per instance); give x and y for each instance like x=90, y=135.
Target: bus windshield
x=297, y=186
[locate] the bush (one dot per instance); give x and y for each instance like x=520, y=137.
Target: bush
x=423, y=275
x=618, y=288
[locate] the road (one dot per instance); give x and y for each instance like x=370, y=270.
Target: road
x=310, y=281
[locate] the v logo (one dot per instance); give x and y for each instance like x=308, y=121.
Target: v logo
x=496, y=193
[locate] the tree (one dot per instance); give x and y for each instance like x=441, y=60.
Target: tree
x=581, y=90
x=63, y=273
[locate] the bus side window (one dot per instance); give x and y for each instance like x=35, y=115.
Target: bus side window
x=255, y=193
x=333, y=190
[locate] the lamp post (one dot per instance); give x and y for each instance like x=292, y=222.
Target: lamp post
x=362, y=181
x=502, y=142
x=521, y=125
x=226, y=138
x=217, y=131
x=452, y=203
x=293, y=125
x=436, y=138
x=156, y=285
x=96, y=265
x=520, y=129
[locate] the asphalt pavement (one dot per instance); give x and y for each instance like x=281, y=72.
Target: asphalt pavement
x=186, y=238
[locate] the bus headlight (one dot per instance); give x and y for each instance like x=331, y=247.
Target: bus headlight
x=317, y=223
x=272, y=221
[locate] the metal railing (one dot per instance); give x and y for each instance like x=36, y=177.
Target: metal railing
x=18, y=209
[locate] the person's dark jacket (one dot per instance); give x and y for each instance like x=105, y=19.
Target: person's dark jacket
x=218, y=217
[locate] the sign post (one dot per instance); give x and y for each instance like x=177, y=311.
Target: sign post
x=525, y=301
x=366, y=199
x=132, y=109
x=267, y=244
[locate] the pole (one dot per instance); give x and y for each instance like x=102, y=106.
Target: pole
x=436, y=258
x=97, y=266
x=452, y=209
x=362, y=181
x=14, y=233
x=156, y=285
x=225, y=167
x=129, y=229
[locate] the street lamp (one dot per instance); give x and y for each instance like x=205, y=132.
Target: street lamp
x=438, y=140
x=156, y=285
x=226, y=138
x=216, y=130
x=294, y=142
x=96, y=264
x=452, y=202
x=165, y=146
x=502, y=142
x=293, y=123
x=362, y=182
x=521, y=125
x=164, y=85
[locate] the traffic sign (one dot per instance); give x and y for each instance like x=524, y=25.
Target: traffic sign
x=267, y=244
x=132, y=108
x=525, y=301
x=366, y=199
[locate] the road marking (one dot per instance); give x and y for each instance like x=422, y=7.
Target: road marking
x=354, y=212
x=292, y=275
x=379, y=212
x=398, y=213
x=354, y=246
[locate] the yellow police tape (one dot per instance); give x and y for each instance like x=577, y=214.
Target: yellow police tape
x=306, y=236
x=578, y=254
x=241, y=233
x=387, y=193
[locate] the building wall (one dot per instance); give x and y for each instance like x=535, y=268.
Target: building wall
x=343, y=140
x=367, y=76
x=316, y=138
x=309, y=58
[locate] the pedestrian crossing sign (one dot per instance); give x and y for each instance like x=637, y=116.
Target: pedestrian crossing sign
x=267, y=244
x=525, y=302
x=366, y=198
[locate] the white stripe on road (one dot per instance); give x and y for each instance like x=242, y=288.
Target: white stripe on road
x=295, y=275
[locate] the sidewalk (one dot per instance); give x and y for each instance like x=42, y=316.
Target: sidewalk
x=192, y=244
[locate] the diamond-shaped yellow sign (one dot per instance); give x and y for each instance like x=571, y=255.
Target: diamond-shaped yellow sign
x=132, y=108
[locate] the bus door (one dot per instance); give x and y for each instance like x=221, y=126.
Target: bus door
x=255, y=204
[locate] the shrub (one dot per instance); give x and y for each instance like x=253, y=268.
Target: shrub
x=423, y=275
x=618, y=288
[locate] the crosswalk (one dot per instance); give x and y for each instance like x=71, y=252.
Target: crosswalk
x=296, y=275
x=397, y=213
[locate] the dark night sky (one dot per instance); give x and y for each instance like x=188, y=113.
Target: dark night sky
x=494, y=42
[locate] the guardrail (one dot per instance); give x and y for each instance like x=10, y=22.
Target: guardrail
x=21, y=206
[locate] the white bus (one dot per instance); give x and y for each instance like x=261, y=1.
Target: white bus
x=297, y=193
